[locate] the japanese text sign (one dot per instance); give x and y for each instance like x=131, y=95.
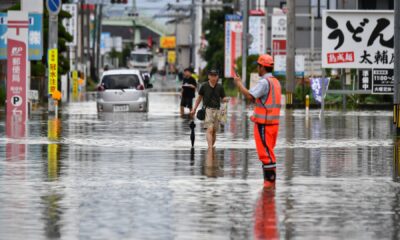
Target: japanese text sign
x=257, y=31
x=35, y=38
x=71, y=24
x=358, y=39
x=17, y=36
x=383, y=81
x=53, y=70
x=316, y=87
x=233, y=43
x=365, y=79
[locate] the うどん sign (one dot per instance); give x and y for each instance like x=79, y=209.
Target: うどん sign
x=358, y=39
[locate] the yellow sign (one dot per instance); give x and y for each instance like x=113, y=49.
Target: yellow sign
x=171, y=57
x=75, y=83
x=167, y=42
x=53, y=69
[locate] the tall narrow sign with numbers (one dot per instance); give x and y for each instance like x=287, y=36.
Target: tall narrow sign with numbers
x=17, y=56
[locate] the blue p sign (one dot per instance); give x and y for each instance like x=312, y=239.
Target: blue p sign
x=53, y=6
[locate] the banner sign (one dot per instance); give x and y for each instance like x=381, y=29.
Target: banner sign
x=71, y=24
x=358, y=39
x=75, y=87
x=34, y=35
x=257, y=32
x=233, y=43
x=17, y=57
x=316, y=87
x=53, y=70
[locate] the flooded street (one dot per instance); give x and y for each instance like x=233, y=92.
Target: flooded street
x=135, y=176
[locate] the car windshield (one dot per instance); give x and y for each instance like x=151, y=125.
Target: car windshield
x=142, y=58
x=120, y=81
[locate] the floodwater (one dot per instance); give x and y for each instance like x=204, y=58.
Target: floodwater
x=135, y=176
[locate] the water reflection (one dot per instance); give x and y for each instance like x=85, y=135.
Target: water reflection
x=212, y=166
x=52, y=212
x=396, y=160
x=266, y=221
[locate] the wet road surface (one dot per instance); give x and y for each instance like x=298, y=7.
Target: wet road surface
x=135, y=176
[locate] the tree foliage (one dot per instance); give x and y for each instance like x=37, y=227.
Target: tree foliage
x=215, y=35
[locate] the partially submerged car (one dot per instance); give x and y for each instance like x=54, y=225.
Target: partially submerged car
x=123, y=90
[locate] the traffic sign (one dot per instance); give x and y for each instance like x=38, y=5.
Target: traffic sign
x=53, y=6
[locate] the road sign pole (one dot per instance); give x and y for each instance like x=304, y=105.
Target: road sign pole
x=396, y=96
x=245, y=35
x=53, y=6
x=53, y=39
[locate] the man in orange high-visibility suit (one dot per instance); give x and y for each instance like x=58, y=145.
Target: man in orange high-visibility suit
x=266, y=95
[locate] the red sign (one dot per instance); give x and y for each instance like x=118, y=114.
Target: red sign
x=279, y=47
x=17, y=36
x=340, y=57
x=16, y=84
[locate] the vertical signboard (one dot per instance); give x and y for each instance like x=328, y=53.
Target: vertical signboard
x=35, y=36
x=171, y=57
x=278, y=34
x=53, y=70
x=257, y=32
x=365, y=79
x=358, y=39
x=75, y=87
x=17, y=57
x=233, y=43
x=71, y=24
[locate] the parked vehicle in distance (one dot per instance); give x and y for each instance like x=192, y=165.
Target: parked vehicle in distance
x=122, y=90
x=142, y=59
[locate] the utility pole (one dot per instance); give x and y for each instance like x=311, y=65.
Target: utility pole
x=192, y=43
x=266, y=25
x=396, y=96
x=290, y=57
x=244, y=40
x=98, y=39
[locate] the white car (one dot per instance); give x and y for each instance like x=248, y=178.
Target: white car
x=122, y=90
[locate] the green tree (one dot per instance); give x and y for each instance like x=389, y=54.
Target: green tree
x=215, y=35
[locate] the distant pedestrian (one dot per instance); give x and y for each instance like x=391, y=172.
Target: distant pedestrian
x=266, y=96
x=188, y=91
x=211, y=93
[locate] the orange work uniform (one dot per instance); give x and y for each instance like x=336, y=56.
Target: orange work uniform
x=266, y=123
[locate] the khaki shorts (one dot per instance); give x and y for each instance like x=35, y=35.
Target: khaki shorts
x=212, y=118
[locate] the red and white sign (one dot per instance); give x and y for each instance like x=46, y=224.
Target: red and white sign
x=279, y=47
x=17, y=57
x=358, y=39
x=278, y=34
x=233, y=43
